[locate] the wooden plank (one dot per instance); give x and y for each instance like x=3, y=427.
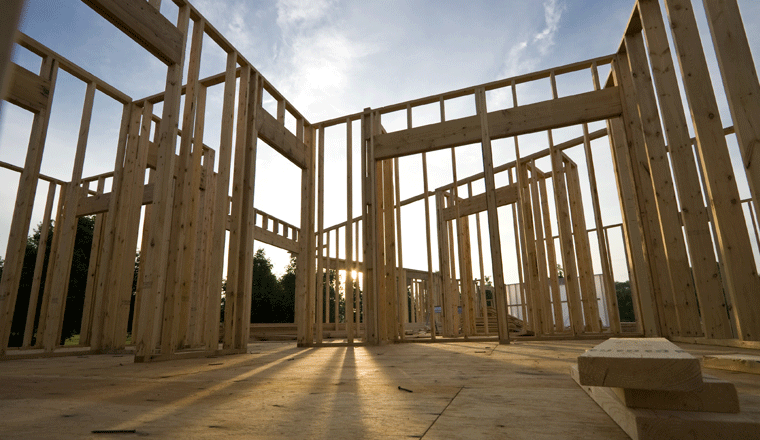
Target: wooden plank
x=583, y=250
x=31, y=312
x=101, y=299
x=493, y=218
x=68, y=229
x=519, y=250
x=559, y=320
x=506, y=195
x=684, y=299
x=561, y=112
x=647, y=209
x=221, y=199
x=401, y=289
x=745, y=363
x=693, y=213
x=233, y=269
x=740, y=273
x=280, y=138
x=320, y=280
x=64, y=64
x=543, y=277
x=567, y=248
x=716, y=395
x=26, y=89
x=613, y=314
x=740, y=83
x=644, y=424
x=157, y=256
x=638, y=265
x=349, y=266
x=8, y=25
x=144, y=24
x=430, y=303
x=390, y=295
x=183, y=231
x=245, y=287
x=641, y=363
x=123, y=260
x=22, y=211
x=305, y=274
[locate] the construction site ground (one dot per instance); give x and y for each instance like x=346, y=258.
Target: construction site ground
x=463, y=390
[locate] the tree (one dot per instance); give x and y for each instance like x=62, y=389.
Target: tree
x=270, y=303
x=72, y=319
x=625, y=301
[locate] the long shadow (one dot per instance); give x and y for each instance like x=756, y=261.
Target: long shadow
x=347, y=404
x=174, y=397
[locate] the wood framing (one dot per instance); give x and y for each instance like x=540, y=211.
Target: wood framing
x=188, y=228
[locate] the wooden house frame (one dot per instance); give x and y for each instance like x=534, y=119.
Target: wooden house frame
x=692, y=268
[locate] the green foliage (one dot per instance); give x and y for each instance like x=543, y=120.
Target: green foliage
x=625, y=301
x=272, y=300
x=72, y=318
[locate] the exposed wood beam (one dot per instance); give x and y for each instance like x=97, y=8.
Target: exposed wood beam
x=144, y=24
x=26, y=89
x=562, y=112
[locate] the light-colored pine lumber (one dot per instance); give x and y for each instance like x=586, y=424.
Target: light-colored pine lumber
x=22, y=211
x=26, y=89
x=305, y=270
x=613, y=314
x=638, y=265
x=745, y=363
x=322, y=278
x=570, y=110
x=493, y=218
x=733, y=243
x=144, y=24
x=583, y=250
x=684, y=299
x=647, y=209
x=543, y=277
x=640, y=363
x=350, y=292
x=740, y=83
x=221, y=198
x=157, y=256
x=8, y=24
x=642, y=424
x=716, y=395
x=693, y=213
x=559, y=320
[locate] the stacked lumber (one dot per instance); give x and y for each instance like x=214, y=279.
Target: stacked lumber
x=515, y=324
x=652, y=389
x=744, y=363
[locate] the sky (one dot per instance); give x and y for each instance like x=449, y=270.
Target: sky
x=331, y=58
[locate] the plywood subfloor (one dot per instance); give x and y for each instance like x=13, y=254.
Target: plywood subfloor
x=465, y=390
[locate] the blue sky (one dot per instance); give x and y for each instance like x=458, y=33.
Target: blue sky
x=331, y=58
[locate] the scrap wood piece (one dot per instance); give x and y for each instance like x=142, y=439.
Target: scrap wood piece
x=716, y=395
x=640, y=363
x=646, y=424
x=745, y=363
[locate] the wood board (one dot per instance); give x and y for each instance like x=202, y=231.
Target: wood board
x=644, y=424
x=640, y=363
x=745, y=363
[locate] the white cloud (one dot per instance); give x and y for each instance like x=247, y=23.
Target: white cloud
x=552, y=14
x=301, y=13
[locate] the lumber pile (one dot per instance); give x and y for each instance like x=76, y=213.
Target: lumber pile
x=744, y=363
x=652, y=389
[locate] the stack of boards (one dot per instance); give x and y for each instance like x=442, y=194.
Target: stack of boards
x=655, y=390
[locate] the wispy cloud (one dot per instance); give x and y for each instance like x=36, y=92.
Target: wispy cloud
x=526, y=55
x=317, y=51
x=552, y=14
